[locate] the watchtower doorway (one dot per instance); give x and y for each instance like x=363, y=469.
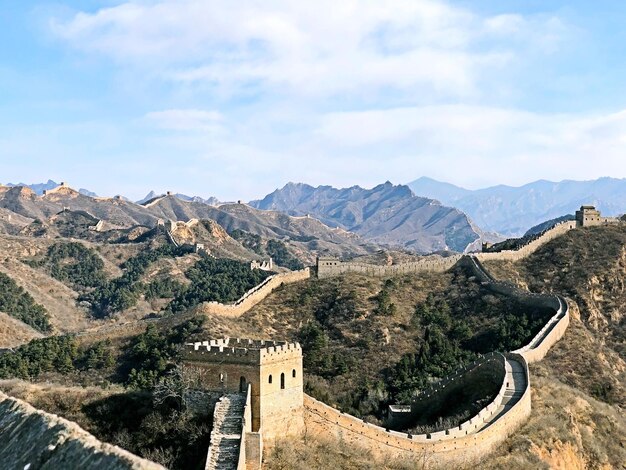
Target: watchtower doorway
x=243, y=384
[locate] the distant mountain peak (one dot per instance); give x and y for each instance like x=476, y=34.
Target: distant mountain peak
x=38, y=188
x=512, y=210
x=151, y=195
x=386, y=214
x=86, y=192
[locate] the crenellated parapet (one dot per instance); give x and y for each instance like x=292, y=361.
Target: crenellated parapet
x=243, y=351
x=272, y=370
x=327, y=266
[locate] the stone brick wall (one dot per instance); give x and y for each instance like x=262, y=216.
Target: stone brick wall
x=30, y=438
x=490, y=368
x=528, y=249
x=462, y=445
x=253, y=296
x=447, y=451
x=327, y=267
x=553, y=330
x=247, y=458
x=282, y=399
x=432, y=263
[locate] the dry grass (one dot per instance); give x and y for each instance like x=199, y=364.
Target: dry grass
x=58, y=299
x=319, y=453
x=566, y=430
x=66, y=401
x=14, y=333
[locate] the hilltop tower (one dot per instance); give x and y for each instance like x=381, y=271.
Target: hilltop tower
x=272, y=368
x=589, y=216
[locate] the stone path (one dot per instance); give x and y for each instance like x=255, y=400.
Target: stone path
x=226, y=434
x=515, y=386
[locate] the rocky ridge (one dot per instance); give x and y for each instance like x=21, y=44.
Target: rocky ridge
x=386, y=214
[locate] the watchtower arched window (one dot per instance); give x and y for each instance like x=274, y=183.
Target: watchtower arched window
x=293, y=373
x=282, y=380
x=243, y=384
x=270, y=379
x=221, y=378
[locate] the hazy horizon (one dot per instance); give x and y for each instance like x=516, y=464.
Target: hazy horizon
x=184, y=192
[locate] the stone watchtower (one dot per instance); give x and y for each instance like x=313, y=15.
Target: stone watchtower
x=588, y=216
x=272, y=368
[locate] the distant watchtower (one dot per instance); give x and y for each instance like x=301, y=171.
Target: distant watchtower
x=272, y=368
x=327, y=265
x=588, y=216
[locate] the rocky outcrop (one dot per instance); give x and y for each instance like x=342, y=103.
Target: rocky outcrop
x=32, y=439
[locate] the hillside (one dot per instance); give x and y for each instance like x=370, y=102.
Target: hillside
x=341, y=323
x=307, y=236
x=13, y=332
x=367, y=342
x=386, y=214
x=577, y=418
x=511, y=211
x=64, y=212
x=588, y=266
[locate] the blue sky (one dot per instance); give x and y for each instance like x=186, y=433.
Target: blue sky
x=233, y=98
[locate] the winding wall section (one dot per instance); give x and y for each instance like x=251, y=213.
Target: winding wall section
x=241, y=306
x=468, y=442
x=328, y=267
x=254, y=295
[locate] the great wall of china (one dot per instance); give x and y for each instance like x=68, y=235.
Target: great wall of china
x=475, y=437
x=30, y=438
x=253, y=399
x=254, y=296
x=327, y=267
x=251, y=298
x=468, y=442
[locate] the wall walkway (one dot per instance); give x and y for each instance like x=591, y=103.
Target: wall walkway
x=227, y=433
x=436, y=263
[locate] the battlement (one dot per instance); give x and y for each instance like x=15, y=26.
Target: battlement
x=327, y=266
x=242, y=351
x=590, y=216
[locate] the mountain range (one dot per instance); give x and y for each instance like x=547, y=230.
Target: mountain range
x=345, y=222
x=212, y=201
x=22, y=211
x=511, y=211
x=386, y=214
x=424, y=216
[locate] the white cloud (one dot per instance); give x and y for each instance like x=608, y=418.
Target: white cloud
x=400, y=64
x=318, y=48
x=476, y=143
x=187, y=120
x=463, y=144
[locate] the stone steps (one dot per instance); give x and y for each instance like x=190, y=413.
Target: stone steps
x=227, y=433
